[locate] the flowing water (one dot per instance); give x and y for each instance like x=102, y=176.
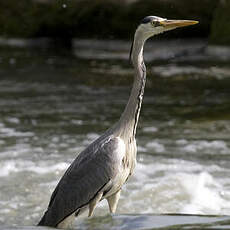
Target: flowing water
x=53, y=105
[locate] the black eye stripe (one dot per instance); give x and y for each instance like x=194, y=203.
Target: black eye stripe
x=146, y=20
x=150, y=19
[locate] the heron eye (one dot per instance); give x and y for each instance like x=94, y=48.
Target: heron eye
x=155, y=23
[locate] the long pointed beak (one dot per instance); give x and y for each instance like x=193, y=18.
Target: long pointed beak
x=168, y=24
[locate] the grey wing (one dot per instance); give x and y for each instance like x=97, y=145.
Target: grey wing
x=87, y=175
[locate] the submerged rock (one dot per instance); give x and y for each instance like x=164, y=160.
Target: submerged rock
x=144, y=222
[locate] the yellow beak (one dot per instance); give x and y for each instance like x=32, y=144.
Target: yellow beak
x=168, y=24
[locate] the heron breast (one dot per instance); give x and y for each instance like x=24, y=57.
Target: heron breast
x=128, y=161
x=125, y=155
x=120, y=149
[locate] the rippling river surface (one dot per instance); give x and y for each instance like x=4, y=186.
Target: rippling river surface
x=53, y=105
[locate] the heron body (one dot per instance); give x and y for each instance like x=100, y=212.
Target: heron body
x=100, y=170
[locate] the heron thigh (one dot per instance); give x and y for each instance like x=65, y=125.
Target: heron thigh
x=93, y=203
x=113, y=201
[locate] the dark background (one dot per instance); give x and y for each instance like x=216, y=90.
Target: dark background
x=109, y=19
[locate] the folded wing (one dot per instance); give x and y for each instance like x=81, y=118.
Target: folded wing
x=90, y=172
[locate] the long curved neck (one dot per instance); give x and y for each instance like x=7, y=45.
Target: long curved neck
x=128, y=122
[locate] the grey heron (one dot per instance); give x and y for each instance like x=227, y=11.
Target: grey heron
x=100, y=170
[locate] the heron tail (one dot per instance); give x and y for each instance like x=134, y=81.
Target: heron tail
x=45, y=221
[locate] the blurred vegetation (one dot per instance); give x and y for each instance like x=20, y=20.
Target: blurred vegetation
x=221, y=26
x=97, y=18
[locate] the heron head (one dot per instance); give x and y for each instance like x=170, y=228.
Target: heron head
x=152, y=25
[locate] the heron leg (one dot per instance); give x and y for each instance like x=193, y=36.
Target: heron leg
x=94, y=202
x=113, y=201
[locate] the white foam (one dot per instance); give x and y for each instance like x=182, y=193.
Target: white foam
x=2, y=142
x=77, y=122
x=191, y=148
x=55, y=139
x=19, y=149
x=11, y=132
x=5, y=211
x=172, y=70
x=92, y=136
x=181, y=142
x=150, y=129
x=11, y=166
x=141, y=149
x=156, y=146
x=196, y=146
x=48, y=169
x=204, y=194
x=13, y=120
x=7, y=167
x=173, y=185
x=167, y=167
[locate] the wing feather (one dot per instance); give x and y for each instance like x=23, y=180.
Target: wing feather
x=87, y=175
